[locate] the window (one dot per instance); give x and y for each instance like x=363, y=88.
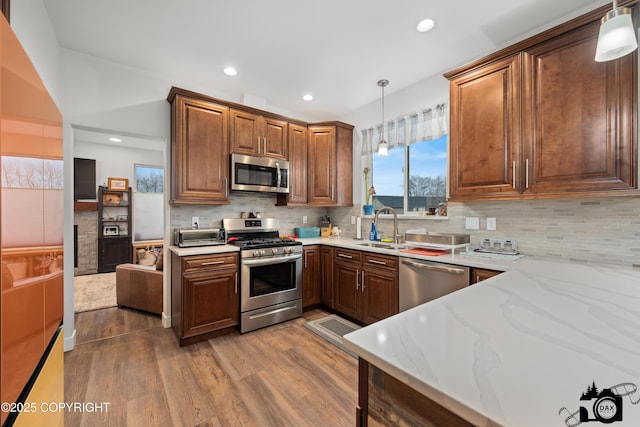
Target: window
x=412, y=178
x=148, y=203
x=149, y=179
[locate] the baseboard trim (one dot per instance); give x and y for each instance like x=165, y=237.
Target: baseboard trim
x=70, y=342
x=166, y=320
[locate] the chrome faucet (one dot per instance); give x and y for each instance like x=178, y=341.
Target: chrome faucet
x=395, y=221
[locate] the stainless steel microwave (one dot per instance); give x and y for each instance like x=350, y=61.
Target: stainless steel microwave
x=249, y=173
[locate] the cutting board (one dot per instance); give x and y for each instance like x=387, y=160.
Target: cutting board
x=426, y=252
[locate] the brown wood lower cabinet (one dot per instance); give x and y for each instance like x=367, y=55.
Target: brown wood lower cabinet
x=311, y=276
x=326, y=275
x=385, y=400
x=365, y=285
x=204, y=296
x=480, y=274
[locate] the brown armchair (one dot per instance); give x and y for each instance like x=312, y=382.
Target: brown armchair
x=139, y=287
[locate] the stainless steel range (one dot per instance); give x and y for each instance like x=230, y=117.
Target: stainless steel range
x=270, y=272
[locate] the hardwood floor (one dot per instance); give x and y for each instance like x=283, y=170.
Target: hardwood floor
x=283, y=375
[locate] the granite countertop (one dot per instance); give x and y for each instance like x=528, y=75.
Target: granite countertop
x=516, y=348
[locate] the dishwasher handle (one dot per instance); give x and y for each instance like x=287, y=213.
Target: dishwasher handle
x=439, y=267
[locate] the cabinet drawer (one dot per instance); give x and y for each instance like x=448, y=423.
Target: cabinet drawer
x=347, y=255
x=209, y=261
x=381, y=261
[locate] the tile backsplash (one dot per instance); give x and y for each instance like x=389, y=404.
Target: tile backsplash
x=603, y=230
x=211, y=216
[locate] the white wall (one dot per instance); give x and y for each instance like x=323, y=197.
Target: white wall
x=31, y=24
x=116, y=162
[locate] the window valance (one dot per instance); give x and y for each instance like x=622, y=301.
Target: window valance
x=430, y=123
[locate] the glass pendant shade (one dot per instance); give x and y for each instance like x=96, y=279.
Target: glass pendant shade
x=617, y=35
x=383, y=148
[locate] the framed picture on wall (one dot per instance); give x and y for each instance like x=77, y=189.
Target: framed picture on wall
x=118, y=184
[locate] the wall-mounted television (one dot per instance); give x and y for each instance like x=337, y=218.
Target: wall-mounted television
x=84, y=179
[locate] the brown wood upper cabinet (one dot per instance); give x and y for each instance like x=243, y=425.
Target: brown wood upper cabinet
x=543, y=119
x=297, y=165
x=330, y=164
x=199, y=150
x=257, y=135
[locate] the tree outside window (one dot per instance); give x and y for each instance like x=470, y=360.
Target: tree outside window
x=149, y=179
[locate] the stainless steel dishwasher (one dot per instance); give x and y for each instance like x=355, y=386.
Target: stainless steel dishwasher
x=422, y=281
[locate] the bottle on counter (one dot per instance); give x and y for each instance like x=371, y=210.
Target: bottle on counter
x=373, y=235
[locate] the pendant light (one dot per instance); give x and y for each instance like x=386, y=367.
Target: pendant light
x=617, y=36
x=383, y=146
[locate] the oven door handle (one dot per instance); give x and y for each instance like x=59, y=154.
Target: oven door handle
x=271, y=261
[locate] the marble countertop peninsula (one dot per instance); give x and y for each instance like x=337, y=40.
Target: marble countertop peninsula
x=516, y=349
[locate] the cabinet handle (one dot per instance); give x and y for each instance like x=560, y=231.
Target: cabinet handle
x=526, y=179
x=373, y=261
x=226, y=188
x=258, y=144
x=362, y=280
x=236, y=282
x=357, y=278
x=332, y=198
x=305, y=260
x=212, y=263
x=265, y=145
x=513, y=175
x=345, y=256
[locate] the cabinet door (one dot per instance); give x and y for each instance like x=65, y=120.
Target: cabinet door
x=480, y=274
x=210, y=301
x=113, y=251
x=347, y=293
x=311, y=277
x=275, y=139
x=380, y=293
x=297, y=164
x=579, y=117
x=199, y=152
x=326, y=275
x=321, y=165
x=245, y=136
x=485, y=130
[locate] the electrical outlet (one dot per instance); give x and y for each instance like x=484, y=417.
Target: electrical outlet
x=472, y=223
x=305, y=219
x=195, y=222
x=491, y=224
x=353, y=220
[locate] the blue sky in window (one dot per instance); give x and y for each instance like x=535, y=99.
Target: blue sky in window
x=428, y=158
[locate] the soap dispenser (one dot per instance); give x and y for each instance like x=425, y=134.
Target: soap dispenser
x=373, y=235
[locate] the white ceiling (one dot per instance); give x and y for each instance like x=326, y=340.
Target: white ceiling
x=334, y=49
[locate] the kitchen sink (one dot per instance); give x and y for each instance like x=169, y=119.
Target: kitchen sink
x=383, y=245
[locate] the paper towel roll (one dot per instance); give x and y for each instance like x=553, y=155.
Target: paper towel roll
x=358, y=228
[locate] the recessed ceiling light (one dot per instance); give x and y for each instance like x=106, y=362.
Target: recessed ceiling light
x=426, y=25
x=230, y=71
x=113, y=139
x=307, y=97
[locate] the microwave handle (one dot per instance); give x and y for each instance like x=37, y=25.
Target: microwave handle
x=279, y=178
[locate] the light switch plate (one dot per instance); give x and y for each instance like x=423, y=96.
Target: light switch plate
x=195, y=222
x=353, y=219
x=305, y=219
x=491, y=224
x=472, y=223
